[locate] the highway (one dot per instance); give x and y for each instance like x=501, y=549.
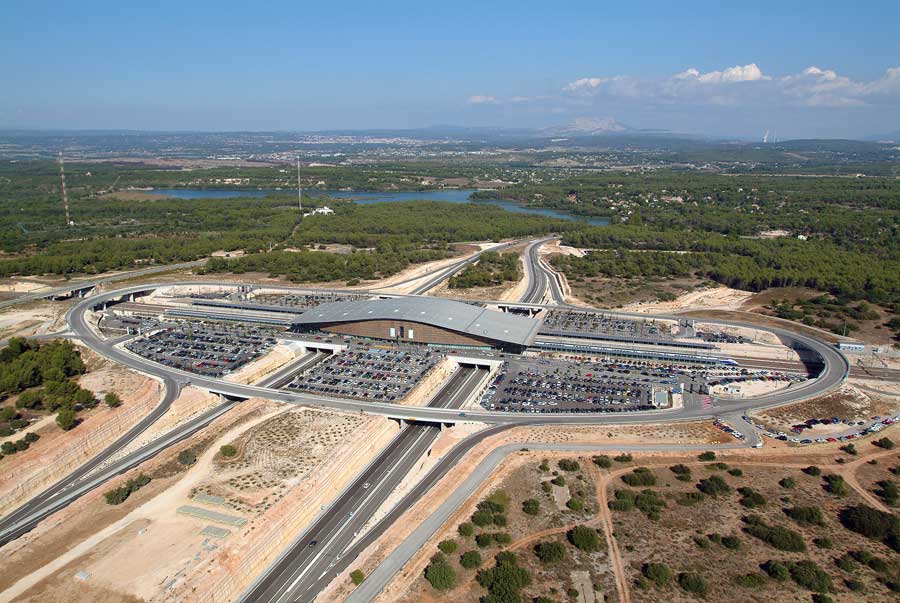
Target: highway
x=90, y=283
x=835, y=370
x=305, y=568
x=441, y=275
x=537, y=277
x=85, y=478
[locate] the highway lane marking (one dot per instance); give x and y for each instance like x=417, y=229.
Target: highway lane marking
x=366, y=500
x=454, y=394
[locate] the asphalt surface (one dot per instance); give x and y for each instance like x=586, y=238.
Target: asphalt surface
x=303, y=570
x=58, y=495
x=536, y=275
x=833, y=374
x=77, y=285
x=441, y=275
x=321, y=551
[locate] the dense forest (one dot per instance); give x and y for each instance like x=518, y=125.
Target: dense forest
x=491, y=269
x=388, y=238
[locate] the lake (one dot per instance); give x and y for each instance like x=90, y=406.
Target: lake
x=369, y=197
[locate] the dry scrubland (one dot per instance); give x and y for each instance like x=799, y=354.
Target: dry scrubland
x=525, y=525
x=58, y=452
x=662, y=516
x=288, y=462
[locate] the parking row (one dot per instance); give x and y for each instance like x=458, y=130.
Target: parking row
x=209, y=349
x=592, y=323
x=381, y=373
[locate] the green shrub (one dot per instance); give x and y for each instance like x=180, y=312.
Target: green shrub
x=484, y=540
x=707, y=456
x=808, y=575
x=559, y=481
x=872, y=523
x=657, y=573
x=714, y=486
x=850, y=449
x=888, y=492
x=66, y=419
x=187, y=457
x=776, y=570
x=440, y=574
x=357, y=577
x=568, y=465
x=886, y=443
x=835, y=484
x=854, y=585
x=788, y=483
x=465, y=529
x=602, y=461
x=806, y=515
x=750, y=498
x=641, y=476
x=550, y=551
x=823, y=543
x=736, y=472
x=544, y=466
x=500, y=520
x=505, y=580
x=731, y=542
x=531, y=506
x=470, y=559
x=31, y=437
x=448, y=547
x=623, y=458
x=575, y=504
x=119, y=495
x=812, y=470
x=228, y=451
x=821, y=598
x=751, y=580
x=778, y=537
x=693, y=583
x=482, y=517
x=584, y=538
x=112, y=400
x=689, y=499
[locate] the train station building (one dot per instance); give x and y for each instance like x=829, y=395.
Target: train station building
x=427, y=320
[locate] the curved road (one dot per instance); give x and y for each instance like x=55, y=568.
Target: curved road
x=305, y=570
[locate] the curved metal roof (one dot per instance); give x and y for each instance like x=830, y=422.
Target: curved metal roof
x=433, y=311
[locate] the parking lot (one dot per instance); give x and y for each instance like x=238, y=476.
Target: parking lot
x=303, y=300
x=209, y=349
x=383, y=373
x=596, y=325
x=550, y=386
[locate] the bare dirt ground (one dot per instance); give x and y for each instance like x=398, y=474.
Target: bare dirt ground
x=54, y=541
x=632, y=539
x=855, y=401
x=58, y=451
x=36, y=318
x=289, y=461
x=718, y=298
x=613, y=435
x=521, y=479
x=508, y=291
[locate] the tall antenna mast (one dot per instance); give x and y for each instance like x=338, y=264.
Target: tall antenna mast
x=62, y=177
x=299, y=190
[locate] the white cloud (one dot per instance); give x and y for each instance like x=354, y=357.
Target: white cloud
x=739, y=73
x=479, y=99
x=748, y=83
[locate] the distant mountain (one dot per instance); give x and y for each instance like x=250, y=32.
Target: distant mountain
x=588, y=126
x=887, y=137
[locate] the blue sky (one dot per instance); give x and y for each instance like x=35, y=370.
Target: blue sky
x=804, y=68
